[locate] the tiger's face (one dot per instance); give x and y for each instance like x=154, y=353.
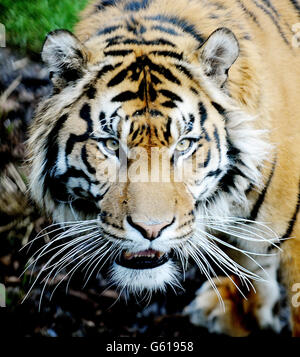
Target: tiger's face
x=137, y=145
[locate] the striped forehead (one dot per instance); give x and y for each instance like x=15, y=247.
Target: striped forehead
x=150, y=131
x=145, y=80
x=155, y=129
x=141, y=83
x=144, y=125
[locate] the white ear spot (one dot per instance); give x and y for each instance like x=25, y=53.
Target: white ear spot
x=218, y=54
x=65, y=56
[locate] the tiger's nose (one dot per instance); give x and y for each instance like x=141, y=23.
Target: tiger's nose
x=150, y=231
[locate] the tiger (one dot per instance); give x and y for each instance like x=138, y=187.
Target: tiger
x=215, y=84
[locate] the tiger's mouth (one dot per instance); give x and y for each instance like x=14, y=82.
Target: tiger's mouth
x=145, y=259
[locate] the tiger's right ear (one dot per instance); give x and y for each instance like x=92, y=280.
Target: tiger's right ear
x=65, y=56
x=218, y=54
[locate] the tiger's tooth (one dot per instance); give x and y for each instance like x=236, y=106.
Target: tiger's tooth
x=148, y=254
x=128, y=255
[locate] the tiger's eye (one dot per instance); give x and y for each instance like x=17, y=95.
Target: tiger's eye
x=112, y=144
x=183, y=145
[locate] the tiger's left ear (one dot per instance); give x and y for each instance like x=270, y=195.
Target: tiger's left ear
x=65, y=56
x=218, y=53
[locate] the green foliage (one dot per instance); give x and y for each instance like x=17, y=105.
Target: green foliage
x=28, y=21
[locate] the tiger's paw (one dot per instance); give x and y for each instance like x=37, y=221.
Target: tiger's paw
x=238, y=317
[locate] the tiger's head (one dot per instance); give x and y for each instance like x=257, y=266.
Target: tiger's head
x=137, y=148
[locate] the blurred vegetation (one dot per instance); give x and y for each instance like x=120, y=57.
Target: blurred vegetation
x=28, y=21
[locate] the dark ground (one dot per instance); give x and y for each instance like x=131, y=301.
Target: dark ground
x=90, y=311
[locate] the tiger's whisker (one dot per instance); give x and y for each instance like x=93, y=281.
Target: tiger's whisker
x=205, y=272
x=246, y=253
x=98, y=261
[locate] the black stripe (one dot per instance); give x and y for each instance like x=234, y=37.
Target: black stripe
x=118, y=78
x=118, y=52
x=57, y=185
x=85, y=114
x=106, y=69
x=207, y=160
x=111, y=41
x=219, y=108
x=51, y=150
x=136, y=5
x=115, y=113
x=168, y=54
x=159, y=69
x=184, y=70
x=248, y=12
x=261, y=197
x=228, y=181
x=214, y=173
x=191, y=122
x=292, y=222
x=269, y=4
x=104, y=123
x=203, y=113
x=169, y=104
x=125, y=96
x=142, y=91
x=203, y=117
x=180, y=23
x=232, y=151
x=170, y=95
x=105, y=3
x=131, y=127
x=152, y=93
x=217, y=139
x=84, y=158
x=108, y=30
x=158, y=41
x=165, y=72
x=91, y=92
x=154, y=79
x=136, y=69
x=167, y=132
x=267, y=12
x=135, y=134
x=167, y=30
x=296, y=5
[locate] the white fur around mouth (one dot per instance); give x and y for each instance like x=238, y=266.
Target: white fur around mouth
x=138, y=280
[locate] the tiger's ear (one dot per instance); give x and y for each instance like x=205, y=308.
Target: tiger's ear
x=65, y=56
x=218, y=53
